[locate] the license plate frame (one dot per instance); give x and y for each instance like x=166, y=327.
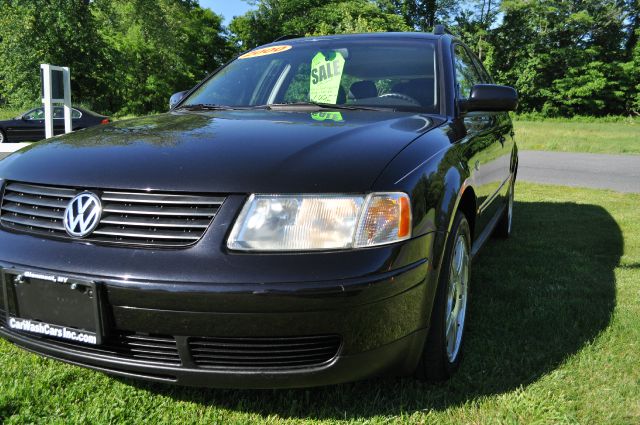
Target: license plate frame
x=51, y=305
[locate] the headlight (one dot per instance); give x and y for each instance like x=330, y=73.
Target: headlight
x=321, y=222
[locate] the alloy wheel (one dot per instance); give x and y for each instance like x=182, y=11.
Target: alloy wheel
x=456, y=306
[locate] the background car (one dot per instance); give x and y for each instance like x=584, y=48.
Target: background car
x=30, y=126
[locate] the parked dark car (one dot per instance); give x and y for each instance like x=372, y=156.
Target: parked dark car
x=30, y=126
x=305, y=216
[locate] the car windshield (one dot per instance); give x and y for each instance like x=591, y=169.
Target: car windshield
x=377, y=73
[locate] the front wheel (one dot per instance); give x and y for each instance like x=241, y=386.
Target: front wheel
x=3, y=137
x=443, y=347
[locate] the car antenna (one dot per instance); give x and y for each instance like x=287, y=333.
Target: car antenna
x=285, y=37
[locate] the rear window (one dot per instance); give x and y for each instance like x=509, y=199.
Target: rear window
x=58, y=113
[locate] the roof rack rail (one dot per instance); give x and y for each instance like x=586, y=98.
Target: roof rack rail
x=285, y=37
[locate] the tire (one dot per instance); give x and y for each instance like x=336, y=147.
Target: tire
x=503, y=228
x=3, y=137
x=444, y=344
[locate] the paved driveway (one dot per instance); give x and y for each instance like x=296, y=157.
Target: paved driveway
x=615, y=172
x=7, y=148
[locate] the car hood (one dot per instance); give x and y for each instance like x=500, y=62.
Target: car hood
x=225, y=152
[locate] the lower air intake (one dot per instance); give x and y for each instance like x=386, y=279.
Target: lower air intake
x=263, y=353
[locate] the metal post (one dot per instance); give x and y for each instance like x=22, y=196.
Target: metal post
x=48, y=103
x=68, y=127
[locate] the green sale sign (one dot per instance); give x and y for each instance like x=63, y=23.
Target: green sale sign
x=326, y=74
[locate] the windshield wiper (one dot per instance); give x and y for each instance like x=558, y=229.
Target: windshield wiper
x=313, y=106
x=321, y=106
x=205, y=107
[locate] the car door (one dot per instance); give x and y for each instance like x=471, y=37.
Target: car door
x=504, y=132
x=13, y=129
x=30, y=127
x=485, y=146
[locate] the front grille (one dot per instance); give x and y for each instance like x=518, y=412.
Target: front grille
x=263, y=353
x=129, y=218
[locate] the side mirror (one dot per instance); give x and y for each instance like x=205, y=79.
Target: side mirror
x=490, y=97
x=176, y=98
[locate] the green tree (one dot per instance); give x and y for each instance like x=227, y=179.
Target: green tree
x=421, y=15
x=126, y=56
x=60, y=32
x=632, y=69
x=275, y=18
x=564, y=57
x=474, y=25
x=157, y=47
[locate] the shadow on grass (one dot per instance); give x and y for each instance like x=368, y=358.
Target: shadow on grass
x=537, y=299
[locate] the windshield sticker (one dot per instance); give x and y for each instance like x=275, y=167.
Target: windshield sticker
x=326, y=73
x=324, y=116
x=265, y=51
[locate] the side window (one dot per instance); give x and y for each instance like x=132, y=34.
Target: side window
x=35, y=114
x=466, y=73
x=58, y=113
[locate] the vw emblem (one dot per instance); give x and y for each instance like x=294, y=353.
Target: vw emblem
x=82, y=215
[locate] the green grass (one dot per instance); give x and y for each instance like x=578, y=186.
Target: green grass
x=553, y=337
x=534, y=116
x=7, y=114
x=571, y=136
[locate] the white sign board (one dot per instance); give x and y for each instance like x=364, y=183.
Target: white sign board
x=56, y=88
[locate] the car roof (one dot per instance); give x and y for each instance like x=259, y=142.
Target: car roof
x=82, y=110
x=361, y=36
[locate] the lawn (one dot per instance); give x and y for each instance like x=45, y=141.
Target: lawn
x=7, y=114
x=571, y=136
x=554, y=337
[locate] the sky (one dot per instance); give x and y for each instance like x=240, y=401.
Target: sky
x=227, y=8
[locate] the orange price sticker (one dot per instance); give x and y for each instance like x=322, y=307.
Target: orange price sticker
x=265, y=51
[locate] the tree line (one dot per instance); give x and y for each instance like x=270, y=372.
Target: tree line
x=565, y=58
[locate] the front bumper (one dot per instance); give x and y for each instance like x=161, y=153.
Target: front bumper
x=379, y=319
x=398, y=357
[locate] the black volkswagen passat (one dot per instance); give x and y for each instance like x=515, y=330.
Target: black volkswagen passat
x=305, y=216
